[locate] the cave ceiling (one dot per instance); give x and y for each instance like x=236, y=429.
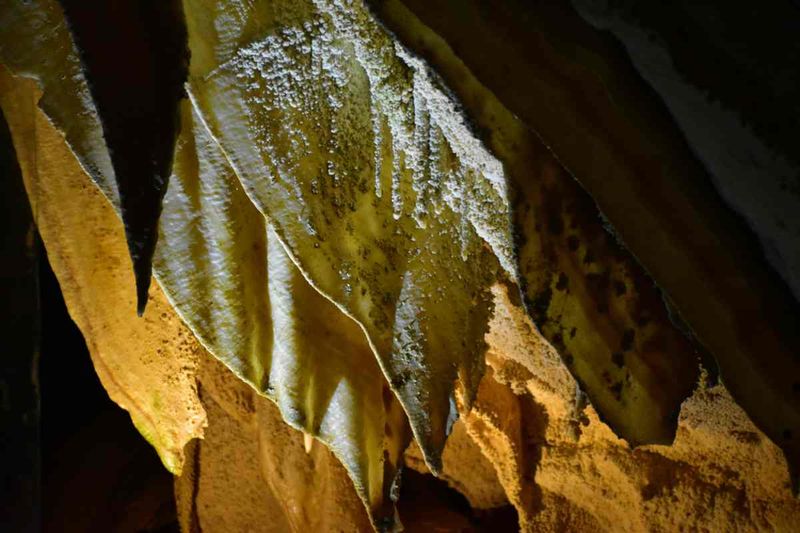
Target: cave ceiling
x=368, y=213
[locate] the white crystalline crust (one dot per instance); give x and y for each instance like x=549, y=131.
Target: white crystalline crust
x=382, y=195
x=369, y=179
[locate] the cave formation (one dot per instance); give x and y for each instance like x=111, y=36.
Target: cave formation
x=399, y=264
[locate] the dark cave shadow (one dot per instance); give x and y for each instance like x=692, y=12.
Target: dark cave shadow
x=98, y=473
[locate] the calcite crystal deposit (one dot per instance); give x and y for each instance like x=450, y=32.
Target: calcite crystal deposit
x=366, y=262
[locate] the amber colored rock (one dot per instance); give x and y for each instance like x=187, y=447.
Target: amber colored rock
x=371, y=179
x=575, y=91
x=357, y=230
x=720, y=474
x=588, y=295
x=465, y=469
x=319, y=367
x=230, y=279
x=251, y=472
x=119, y=117
x=147, y=365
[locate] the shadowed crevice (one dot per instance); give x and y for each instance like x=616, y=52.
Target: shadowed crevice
x=135, y=57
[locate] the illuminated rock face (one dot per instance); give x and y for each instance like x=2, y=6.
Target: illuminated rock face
x=365, y=243
x=586, y=103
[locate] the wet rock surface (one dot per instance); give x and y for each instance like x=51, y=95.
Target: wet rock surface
x=480, y=249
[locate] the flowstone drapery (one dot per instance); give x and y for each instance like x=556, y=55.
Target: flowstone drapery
x=350, y=233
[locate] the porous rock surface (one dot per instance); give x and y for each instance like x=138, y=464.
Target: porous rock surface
x=563, y=469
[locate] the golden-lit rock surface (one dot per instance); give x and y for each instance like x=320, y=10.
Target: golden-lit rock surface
x=313, y=361
x=100, y=107
x=587, y=294
x=720, y=474
x=230, y=279
x=371, y=179
x=251, y=472
x=565, y=470
x=571, y=88
x=50, y=58
x=137, y=102
x=147, y=365
x=465, y=468
x=362, y=262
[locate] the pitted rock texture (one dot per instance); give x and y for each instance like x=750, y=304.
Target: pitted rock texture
x=562, y=468
x=147, y=366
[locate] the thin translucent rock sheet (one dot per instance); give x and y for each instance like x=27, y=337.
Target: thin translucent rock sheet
x=587, y=294
x=137, y=99
x=366, y=169
x=147, y=365
x=36, y=43
x=233, y=283
x=605, y=130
